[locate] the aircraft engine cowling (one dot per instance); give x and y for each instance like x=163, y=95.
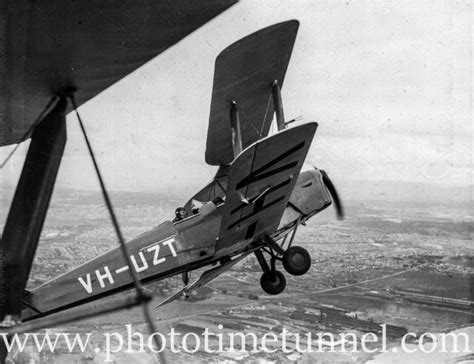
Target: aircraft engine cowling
x=310, y=195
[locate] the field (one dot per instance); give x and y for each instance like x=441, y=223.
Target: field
x=404, y=265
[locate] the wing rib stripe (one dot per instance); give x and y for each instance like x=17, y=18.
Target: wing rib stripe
x=277, y=187
x=246, y=217
x=257, y=175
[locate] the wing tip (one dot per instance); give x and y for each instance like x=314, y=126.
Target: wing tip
x=291, y=25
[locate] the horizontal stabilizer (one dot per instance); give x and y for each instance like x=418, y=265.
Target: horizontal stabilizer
x=204, y=279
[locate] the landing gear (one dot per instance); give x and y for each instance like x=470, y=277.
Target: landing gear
x=296, y=260
x=273, y=282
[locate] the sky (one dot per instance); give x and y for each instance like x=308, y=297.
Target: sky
x=390, y=84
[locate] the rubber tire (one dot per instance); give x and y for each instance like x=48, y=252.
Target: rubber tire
x=273, y=283
x=296, y=260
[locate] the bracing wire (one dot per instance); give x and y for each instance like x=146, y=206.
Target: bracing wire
x=265, y=117
x=248, y=120
x=141, y=295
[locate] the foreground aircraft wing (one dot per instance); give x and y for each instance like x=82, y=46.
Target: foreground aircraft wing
x=261, y=180
x=244, y=73
x=47, y=46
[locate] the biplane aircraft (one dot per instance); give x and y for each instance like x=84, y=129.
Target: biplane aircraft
x=254, y=204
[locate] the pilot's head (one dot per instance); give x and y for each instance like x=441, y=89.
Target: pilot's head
x=180, y=213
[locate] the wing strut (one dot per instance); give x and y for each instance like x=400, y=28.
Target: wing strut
x=236, y=129
x=29, y=207
x=277, y=102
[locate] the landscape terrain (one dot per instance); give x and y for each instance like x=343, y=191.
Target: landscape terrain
x=404, y=264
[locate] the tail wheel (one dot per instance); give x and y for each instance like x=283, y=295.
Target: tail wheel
x=273, y=282
x=296, y=260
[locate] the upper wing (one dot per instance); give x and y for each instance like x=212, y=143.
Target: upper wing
x=261, y=180
x=244, y=73
x=50, y=45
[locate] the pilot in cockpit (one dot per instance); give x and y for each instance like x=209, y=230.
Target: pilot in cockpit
x=180, y=213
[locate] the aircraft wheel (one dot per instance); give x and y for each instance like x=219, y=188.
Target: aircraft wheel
x=273, y=282
x=296, y=260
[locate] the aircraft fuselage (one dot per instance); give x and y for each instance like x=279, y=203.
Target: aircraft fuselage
x=166, y=250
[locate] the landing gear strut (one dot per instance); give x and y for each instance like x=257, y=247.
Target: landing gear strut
x=272, y=281
x=295, y=259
